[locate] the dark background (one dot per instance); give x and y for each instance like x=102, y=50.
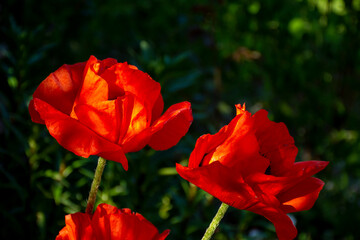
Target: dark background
x=299, y=59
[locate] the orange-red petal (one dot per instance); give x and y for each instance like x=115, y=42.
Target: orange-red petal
x=111, y=223
x=284, y=227
x=102, y=118
x=274, y=185
x=171, y=126
x=78, y=227
x=275, y=142
x=302, y=196
x=221, y=182
x=94, y=88
x=59, y=89
x=157, y=109
x=76, y=137
x=129, y=79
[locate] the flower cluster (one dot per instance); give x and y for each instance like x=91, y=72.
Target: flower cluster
x=106, y=108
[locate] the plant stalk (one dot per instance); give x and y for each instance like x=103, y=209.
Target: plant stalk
x=95, y=185
x=215, y=222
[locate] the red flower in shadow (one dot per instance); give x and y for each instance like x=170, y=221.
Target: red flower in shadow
x=108, y=223
x=107, y=108
x=250, y=164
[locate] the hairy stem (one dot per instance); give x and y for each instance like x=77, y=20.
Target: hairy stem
x=215, y=222
x=95, y=185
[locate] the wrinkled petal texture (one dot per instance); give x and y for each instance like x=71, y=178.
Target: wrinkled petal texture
x=106, y=108
x=109, y=223
x=250, y=165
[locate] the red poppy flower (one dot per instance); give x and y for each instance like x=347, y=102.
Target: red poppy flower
x=107, y=108
x=109, y=223
x=250, y=164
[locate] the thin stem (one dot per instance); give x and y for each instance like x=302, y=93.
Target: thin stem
x=215, y=222
x=95, y=185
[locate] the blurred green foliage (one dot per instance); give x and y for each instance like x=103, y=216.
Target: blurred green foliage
x=298, y=59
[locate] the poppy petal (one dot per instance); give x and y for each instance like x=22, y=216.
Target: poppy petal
x=284, y=227
x=220, y=182
x=171, y=126
x=112, y=223
x=302, y=196
x=233, y=141
x=274, y=185
x=207, y=143
x=78, y=226
x=76, y=137
x=122, y=75
x=35, y=116
x=275, y=142
x=307, y=168
x=59, y=89
x=157, y=109
x=102, y=118
x=94, y=88
x=101, y=222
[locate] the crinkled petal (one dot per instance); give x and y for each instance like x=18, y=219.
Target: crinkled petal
x=76, y=137
x=125, y=105
x=127, y=78
x=276, y=185
x=94, y=88
x=307, y=168
x=78, y=227
x=284, y=227
x=207, y=144
x=101, y=221
x=171, y=126
x=275, y=142
x=110, y=223
x=138, y=119
x=236, y=134
x=302, y=196
x=59, y=89
x=103, y=118
x=221, y=182
x=165, y=132
x=235, y=146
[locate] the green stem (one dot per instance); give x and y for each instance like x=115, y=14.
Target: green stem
x=215, y=222
x=95, y=185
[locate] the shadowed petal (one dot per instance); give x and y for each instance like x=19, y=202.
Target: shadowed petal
x=284, y=227
x=127, y=78
x=220, y=182
x=78, y=227
x=302, y=196
x=157, y=109
x=59, y=89
x=307, y=168
x=235, y=146
x=35, y=116
x=103, y=118
x=77, y=138
x=112, y=223
x=275, y=142
x=94, y=88
x=276, y=185
x=171, y=126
